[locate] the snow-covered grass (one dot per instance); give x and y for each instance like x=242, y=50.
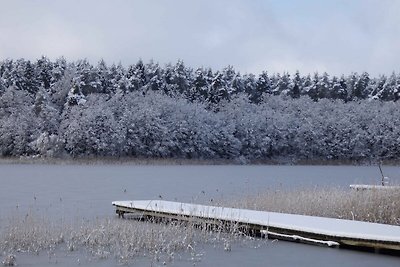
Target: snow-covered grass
x=112, y=238
x=380, y=206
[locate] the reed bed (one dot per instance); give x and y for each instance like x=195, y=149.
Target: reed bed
x=378, y=206
x=31, y=233
x=123, y=240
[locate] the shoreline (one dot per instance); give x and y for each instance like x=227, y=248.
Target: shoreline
x=182, y=161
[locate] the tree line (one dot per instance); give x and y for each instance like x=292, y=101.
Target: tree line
x=58, y=109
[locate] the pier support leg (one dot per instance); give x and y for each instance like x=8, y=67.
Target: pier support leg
x=120, y=214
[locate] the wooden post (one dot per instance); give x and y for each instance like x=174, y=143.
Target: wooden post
x=383, y=177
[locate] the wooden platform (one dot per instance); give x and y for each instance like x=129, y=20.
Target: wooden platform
x=297, y=228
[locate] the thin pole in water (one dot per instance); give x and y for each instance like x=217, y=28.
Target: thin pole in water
x=383, y=177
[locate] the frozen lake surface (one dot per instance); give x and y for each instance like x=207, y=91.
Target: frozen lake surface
x=74, y=192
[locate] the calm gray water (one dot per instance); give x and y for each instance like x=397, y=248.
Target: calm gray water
x=86, y=191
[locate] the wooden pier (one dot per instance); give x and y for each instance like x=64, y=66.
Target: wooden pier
x=297, y=228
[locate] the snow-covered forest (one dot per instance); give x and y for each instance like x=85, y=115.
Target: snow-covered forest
x=61, y=109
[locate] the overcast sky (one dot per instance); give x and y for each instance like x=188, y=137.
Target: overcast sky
x=252, y=35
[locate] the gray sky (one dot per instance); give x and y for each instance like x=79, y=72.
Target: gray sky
x=337, y=36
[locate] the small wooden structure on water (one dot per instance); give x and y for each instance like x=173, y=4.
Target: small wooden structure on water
x=291, y=227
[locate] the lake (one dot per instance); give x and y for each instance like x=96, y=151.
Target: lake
x=76, y=192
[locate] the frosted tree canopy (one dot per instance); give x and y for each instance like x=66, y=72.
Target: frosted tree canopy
x=61, y=109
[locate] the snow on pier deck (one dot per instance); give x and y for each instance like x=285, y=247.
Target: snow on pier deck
x=299, y=228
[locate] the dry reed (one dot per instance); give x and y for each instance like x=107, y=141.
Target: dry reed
x=123, y=240
x=379, y=206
